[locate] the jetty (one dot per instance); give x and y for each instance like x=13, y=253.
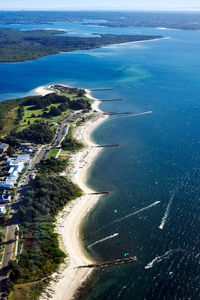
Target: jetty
x=100, y=193
x=108, y=146
x=103, y=89
x=117, y=113
x=112, y=262
x=110, y=100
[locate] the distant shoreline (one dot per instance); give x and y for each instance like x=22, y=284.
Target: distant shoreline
x=68, y=279
x=142, y=41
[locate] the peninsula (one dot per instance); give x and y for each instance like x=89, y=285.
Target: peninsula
x=17, y=45
x=49, y=133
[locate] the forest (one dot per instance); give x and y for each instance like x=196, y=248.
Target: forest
x=39, y=133
x=70, y=143
x=16, y=45
x=183, y=20
x=42, y=201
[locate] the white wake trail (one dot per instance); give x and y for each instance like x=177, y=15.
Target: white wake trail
x=158, y=259
x=164, y=219
x=135, y=115
x=102, y=240
x=143, y=113
x=130, y=215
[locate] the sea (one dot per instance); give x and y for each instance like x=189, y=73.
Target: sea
x=152, y=211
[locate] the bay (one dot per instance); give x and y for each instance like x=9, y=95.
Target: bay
x=158, y=159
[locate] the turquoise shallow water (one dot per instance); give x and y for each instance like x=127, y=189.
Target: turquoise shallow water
x=158, y=159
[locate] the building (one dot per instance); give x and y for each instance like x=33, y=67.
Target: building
x=3, y=147
x=16, y=164
x=2, y=210
x=5, y=197
x=24, y=146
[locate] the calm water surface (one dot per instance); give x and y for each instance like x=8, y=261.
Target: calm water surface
x=157, y=163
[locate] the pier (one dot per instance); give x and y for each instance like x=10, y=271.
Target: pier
x=104, y=89
x=100, y=193
x=117, y=113
x=110, y=100
x=112, y=262
x=107, y=146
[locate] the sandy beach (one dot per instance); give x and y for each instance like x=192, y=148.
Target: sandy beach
x=68, y=278
x=43, y=90
x=135, y=42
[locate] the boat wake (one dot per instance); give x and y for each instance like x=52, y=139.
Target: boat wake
x=135, y=115
x=158, y=259
x=130, y=215
x=164, y=219
x=143, y=113
x=102, y=240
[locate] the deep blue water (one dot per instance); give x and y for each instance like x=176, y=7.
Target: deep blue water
x=158, y=159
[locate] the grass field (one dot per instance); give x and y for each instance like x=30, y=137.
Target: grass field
x=52, y=153
x=31, y=115
x=10, y=122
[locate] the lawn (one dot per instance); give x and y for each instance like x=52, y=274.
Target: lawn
x=52, y=153
x=9, y=122
x=31, y=115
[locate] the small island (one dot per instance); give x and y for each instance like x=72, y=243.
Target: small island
x=17, y=45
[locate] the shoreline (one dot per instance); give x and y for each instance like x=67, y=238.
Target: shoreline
x=66, y=281
x=142, y=41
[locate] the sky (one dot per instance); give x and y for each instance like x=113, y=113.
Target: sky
x=100, y=5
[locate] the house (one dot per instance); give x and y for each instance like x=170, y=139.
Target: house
x=3, y=147
x=2, y=210
x=4, y=198
x=16, y=164
x=24, y=146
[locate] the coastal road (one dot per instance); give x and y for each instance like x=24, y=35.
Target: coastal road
x=8, y=254
x=61, y=132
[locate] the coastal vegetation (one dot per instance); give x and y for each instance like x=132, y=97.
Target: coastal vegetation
x=41, y=255
x=16, y=45
x=6, y=114
x=70, y=143
x=31, y=118
x=183, y=20
x=39, y=133
x=52, y=166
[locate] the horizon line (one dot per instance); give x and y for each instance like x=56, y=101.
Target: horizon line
x=194, y=10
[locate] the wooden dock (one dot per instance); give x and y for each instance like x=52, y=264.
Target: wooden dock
x=112, y=262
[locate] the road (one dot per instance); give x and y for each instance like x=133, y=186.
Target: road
x=61, y=131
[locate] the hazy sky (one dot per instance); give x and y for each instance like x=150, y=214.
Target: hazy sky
x=101, y=4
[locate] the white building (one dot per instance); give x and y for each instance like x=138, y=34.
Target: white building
x=2, y=210
x=16, y=164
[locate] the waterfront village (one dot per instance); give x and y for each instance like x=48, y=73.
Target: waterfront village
x=39, y=139
x=12, y=169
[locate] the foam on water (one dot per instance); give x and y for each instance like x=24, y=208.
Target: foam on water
x=158, y=259
x=103, y=240
x=130, y=215
x=135, y=115
x=164, y=219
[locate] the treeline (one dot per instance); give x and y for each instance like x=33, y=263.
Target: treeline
x=52, y=165
x=16, y=45
x=39, y=102
x=38, y=132
x=70, y=143
x=41, y=255
x=6, y=106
